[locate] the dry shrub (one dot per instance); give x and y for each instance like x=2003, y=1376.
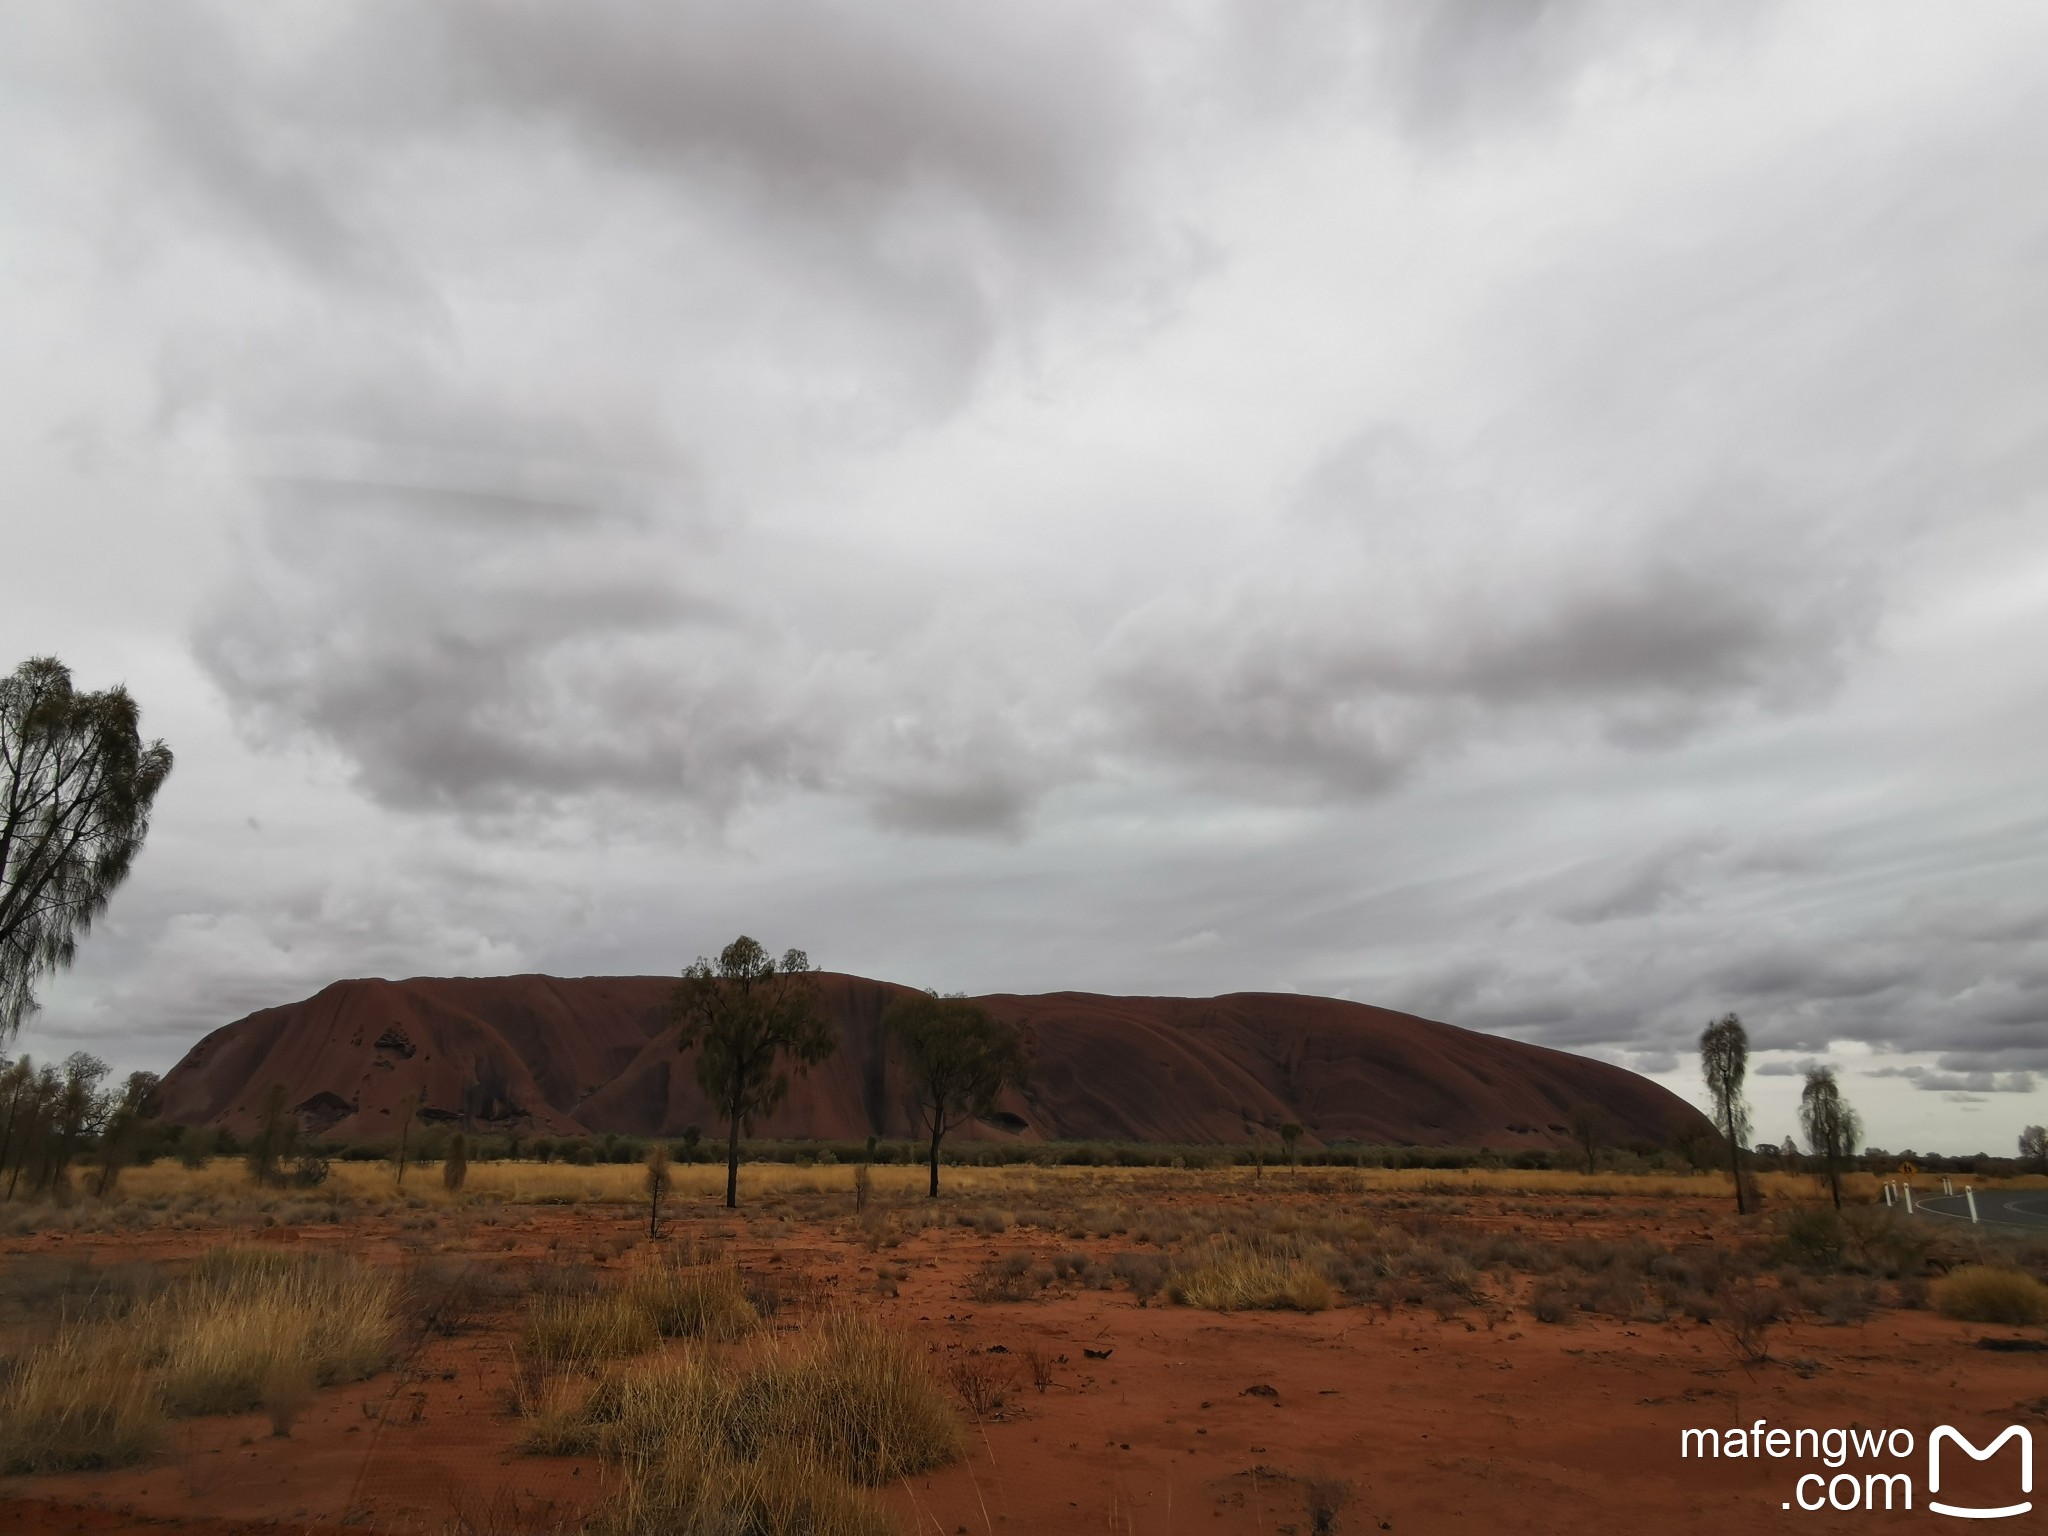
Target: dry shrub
x=1041, y=1363
x=1980, y=1293
x=81, y=1401
x=1839, y=1300
x=1814, y=1237
x=686, y=1300
x=1145, y=1273
x=1879, y=1239
x=244, y=1315
x=448, y=1295
x=702, y=1489
x=1325, y=1496
x=1011, y=1278
x=1421, y=1274
x=983, y=1382
x=1232, y=1277
x=1747, y=1313
x=563, y=1332
x=1550, y=1303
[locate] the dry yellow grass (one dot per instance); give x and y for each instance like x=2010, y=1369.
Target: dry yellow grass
x=82, y=1401
x=1233, y=1277
x=1980, y=1293
x=857, y=1396
x=850, y=1395
x=245, y=1328
x=672, y=1293
x=248, y=1324
x=698, y=1489
x=687, y=1300
x=786, y=1441
x=572, y=1332
x=528, y=1183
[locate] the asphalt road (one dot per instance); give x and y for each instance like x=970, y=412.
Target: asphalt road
x=2006, y=1207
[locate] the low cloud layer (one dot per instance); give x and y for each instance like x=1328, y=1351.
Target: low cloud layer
x=1530, y=514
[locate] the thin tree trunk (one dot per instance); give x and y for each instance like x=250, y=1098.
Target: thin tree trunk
x=32, y=1127
x=21, y=1159
x=1735, y=1165
x=1834, y=1178
x=7, y=1137
x=938, y=1130
x=732, y=1165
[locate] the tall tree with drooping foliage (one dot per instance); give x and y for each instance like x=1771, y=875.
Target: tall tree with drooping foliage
x=1724, y=1062
x=750, y=1018
x=1832, y=1127
x=76, y=786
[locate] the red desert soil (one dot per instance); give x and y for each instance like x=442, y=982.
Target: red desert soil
x=565, y=1056
x=1188, y=1422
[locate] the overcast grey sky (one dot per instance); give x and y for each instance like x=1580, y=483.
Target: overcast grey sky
x=1532, y=514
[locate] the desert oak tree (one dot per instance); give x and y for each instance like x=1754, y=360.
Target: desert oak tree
x=1724, y=1062
x=76, y=786
x=960, y=1060
x=1831, y=1126
x=748, y=1014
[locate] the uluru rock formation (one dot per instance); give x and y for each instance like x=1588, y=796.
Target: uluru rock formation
x=568, y=1056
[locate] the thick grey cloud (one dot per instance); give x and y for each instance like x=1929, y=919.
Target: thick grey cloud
x=1530, y=514
x=1961, y=1082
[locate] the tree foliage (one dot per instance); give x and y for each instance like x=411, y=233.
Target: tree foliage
x=76, y=787
x=2034, y=1148
x=1590, y=1130
x=1290, y=1140
x=128, y=1111
x=960, y=1059
x=750, y=1017
x=1724, y=1062
x=277, y=1135
x=47, y=1116
x=1832, y=1127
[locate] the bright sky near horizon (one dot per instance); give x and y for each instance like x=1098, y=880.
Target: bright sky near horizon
x=1532, y=514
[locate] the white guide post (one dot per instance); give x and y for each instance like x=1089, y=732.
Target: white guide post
x=1970, y=1195
x=1909, y=1197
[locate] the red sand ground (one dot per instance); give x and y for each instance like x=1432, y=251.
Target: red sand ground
x=1194, y=1421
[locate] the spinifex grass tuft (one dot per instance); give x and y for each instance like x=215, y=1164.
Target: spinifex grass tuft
x=246, y=1320
x=563, y=1332
x=1979, y=1293
x=786, y=1441
x=691, y=1301
x=1233, y=1277
x=82, y=1401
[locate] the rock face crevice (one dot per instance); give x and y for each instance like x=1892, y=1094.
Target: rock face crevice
x=572, y=1056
